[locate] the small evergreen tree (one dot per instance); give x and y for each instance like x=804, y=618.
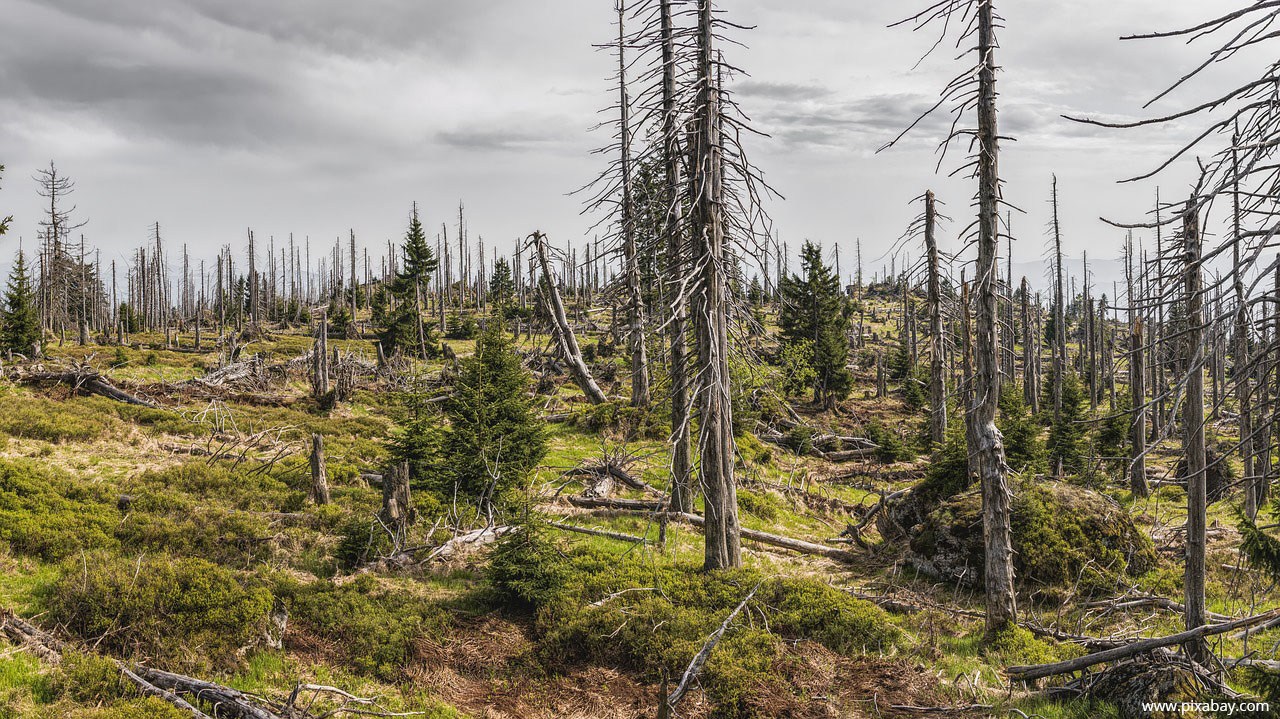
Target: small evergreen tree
x=502, y=289
x=756, y=293
x=1066, y=435
x=797, y=373
x=403, y=328
x=340, y=319
x=417, y=441
x=494, y=438
x=814, y=309
x=20, y=330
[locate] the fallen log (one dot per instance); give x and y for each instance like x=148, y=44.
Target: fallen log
x=227, y=702
x=775, y=540
x=598, y=533
x=628, y=508
x=610, y=503
x=1039, y=671
x=86, y=381
x=151, y=690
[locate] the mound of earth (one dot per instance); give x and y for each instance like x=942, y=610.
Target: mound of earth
x=1063, y=536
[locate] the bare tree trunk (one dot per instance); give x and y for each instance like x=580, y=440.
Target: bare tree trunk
x=1241, y=368
x=1030, y=350
x=1059, y=313
x=721, y=531
x=937, y=374
x=1193, y=442
x=319, y=475
x=1137, y=388
x=320, y=358
x=681, y=451
x=635, y=301
x=998, y=574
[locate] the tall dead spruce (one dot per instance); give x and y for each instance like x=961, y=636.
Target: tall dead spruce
x=615, y=193
x=977, y=89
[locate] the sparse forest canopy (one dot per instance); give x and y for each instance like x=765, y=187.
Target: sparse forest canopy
x=678, y=467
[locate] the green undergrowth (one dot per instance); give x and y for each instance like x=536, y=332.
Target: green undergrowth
x=591, y=605
x=183, y=612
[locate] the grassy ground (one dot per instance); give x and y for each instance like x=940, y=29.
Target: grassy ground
x=95, y=496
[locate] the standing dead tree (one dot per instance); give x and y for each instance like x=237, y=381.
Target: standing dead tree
x=976, y=89
x=615, y=193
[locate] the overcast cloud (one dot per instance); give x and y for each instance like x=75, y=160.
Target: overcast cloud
x=315, y=116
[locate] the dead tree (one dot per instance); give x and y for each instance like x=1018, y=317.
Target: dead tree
x=1030, y=353
x=635, y=301
x=721, y=531
x=1193, y=438
x=562, y=331
x=937, y=347
x=397, y=509
x=674, y=226
x=1137, y=387
x=1059, y=312
x=976, y=89
x=320, y=359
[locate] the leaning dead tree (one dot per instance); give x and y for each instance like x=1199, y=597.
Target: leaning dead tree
x=976, y=89
x=565, y=339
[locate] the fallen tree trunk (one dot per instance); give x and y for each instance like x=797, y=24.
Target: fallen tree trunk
x=610, y=503
x=86, y=381
x=151, y=690
x=598, y=533
x=228, y=702
x=628, y=508
x=1039, y=671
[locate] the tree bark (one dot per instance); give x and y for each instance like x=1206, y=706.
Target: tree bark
x=681, y=450
x=635, y=301
x=1137, y=389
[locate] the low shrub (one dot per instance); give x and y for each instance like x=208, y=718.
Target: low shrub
x=658, y=631
x=376, y=629
x=184, y=610
x=50, y=420
x=46, y=514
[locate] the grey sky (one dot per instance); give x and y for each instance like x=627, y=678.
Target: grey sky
x=314, y=116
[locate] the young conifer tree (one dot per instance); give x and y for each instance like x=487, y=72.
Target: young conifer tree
x=815, y=310
x=495, y=438
x=404, y=328
x=20, y=326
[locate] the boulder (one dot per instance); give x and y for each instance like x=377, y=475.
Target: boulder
x=1063, y=536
